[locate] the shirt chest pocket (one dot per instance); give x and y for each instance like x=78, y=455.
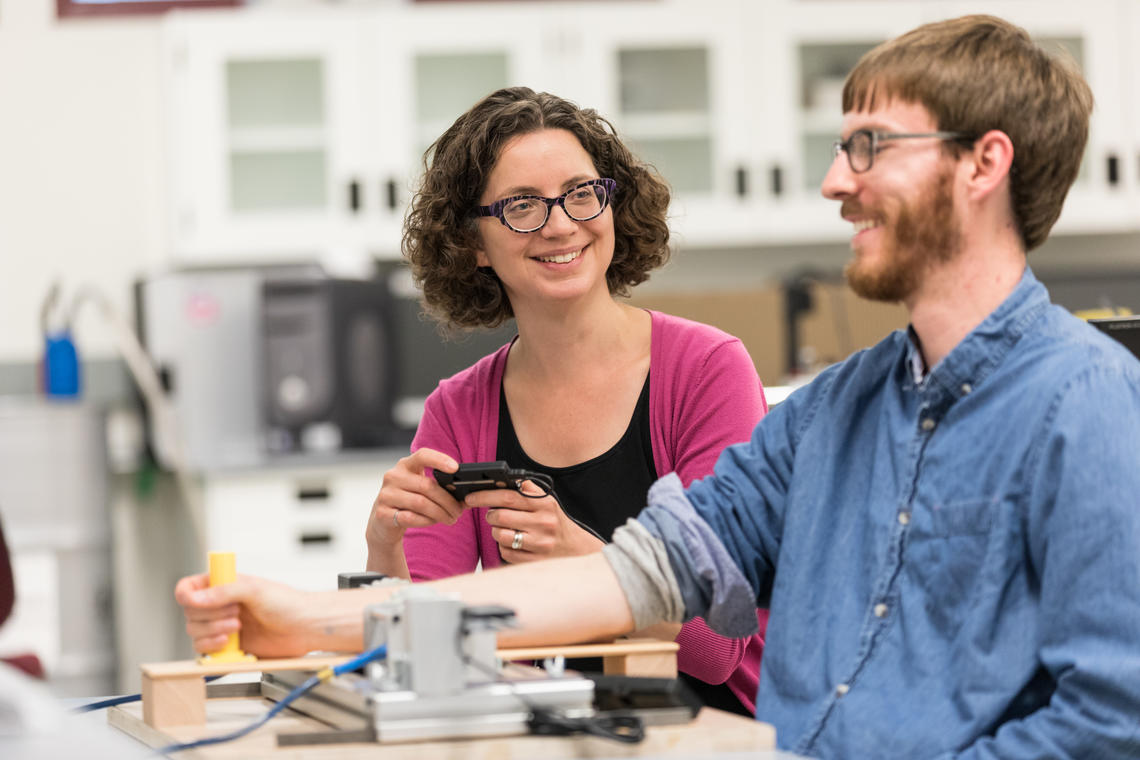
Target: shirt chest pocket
x=947, y=556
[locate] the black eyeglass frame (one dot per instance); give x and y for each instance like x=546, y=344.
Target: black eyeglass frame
x=497, y=208
x=877, y=137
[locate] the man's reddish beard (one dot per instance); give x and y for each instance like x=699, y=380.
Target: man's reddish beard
x=925, y=232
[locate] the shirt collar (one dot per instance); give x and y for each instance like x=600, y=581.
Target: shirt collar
x=970, y=362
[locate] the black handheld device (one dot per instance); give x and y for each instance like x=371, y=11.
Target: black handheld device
x=483, y=476
x=480, y=476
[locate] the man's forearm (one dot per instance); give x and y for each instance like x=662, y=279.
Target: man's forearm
x=558, y=601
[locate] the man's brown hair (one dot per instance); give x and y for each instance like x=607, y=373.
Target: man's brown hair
x=978, y=73
x=440, y=233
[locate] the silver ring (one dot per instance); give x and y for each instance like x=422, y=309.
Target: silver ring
x=396, y=517
x=516, y=544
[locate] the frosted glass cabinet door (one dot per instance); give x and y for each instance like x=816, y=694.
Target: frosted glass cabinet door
x=800, y=64
x=427, y=64
x=1130, y=31
x=266, y=134
x=1103, y=199
x=275, y=125
x=669, y=76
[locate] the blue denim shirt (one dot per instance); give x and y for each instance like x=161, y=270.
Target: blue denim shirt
x=952, y=563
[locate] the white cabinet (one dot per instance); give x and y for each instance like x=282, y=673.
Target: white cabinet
x=1104, y=197
x=267, y=136
x=53, y=505
x=794, y=83
x=1129, y=64
x=301, y=525
x=670, y=80
x=299, y=132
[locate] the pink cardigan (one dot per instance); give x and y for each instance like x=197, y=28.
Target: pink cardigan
x=703, y=395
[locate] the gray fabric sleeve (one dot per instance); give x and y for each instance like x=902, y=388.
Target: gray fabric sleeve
x=641, y=565
x=710, y=583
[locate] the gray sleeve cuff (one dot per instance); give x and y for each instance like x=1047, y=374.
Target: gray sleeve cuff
x=641, y=565
x=708, y=579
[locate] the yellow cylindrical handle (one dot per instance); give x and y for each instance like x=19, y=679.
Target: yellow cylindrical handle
x=223, y=570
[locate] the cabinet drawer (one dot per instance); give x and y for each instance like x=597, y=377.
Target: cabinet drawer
x=298, y=527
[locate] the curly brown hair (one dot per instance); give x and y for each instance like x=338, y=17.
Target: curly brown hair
x=441, y=236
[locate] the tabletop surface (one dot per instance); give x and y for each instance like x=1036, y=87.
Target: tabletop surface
x=713, y=735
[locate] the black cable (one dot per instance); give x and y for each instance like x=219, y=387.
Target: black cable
x=543, y=721
x=546, y=484
x=628, y=729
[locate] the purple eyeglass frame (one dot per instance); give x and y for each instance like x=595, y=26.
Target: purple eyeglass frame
x=496, y=208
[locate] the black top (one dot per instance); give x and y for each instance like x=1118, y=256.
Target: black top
x=603, y=493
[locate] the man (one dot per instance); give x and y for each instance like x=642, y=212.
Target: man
x=946, y=526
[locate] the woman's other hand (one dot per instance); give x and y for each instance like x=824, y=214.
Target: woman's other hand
x=528, y=528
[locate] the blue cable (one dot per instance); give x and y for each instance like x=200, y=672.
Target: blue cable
x=356, y=662
x=116, y=701
x=112, y=702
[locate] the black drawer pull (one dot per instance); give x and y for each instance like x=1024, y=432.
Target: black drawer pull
x=354, y=196
x=313, y=493
x=316, y=539
x=776, y=180
x=392, y=195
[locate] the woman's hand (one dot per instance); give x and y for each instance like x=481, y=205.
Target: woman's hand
x=527, y=529
x=407, y=499
x=270, y=617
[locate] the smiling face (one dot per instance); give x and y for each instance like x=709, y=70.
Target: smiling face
x=902, y=208
x=563, y=260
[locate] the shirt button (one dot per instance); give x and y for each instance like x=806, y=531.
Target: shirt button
x=880, y=610
x=904, y=518
x=967, y=389
x=842, y=689
x=928, y=424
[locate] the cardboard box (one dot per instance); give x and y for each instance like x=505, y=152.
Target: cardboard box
x=837, y=324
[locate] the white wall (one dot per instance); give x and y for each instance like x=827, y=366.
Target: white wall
x=81, y=170
x=82, y=179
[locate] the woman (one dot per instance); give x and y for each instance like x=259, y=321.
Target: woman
x=532, y=208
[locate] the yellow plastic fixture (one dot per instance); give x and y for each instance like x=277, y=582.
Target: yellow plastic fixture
x=223, y=570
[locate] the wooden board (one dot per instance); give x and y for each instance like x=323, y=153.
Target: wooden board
x=174, y=693
x=712, y=731
x=183, y=668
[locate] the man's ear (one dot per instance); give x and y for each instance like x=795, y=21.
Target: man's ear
x=992, y=160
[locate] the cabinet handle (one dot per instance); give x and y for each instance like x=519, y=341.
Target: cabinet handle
x=354, y=196
x=390, y=192
x=312, y=493
x=776, y=178
x=314, y=538
x=741, y=182
x=1113, y=166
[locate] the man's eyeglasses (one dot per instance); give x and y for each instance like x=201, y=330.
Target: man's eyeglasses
x=528, y=213
x=863, y=144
